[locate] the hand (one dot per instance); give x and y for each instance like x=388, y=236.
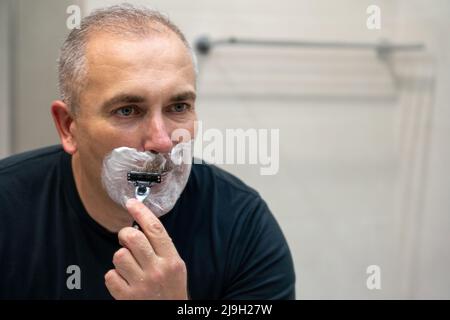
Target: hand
x=148, y=266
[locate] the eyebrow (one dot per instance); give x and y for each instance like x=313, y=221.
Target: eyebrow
x=131, y=98
x=183, y=96
x=122, y=98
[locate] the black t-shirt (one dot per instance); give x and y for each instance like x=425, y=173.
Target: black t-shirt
x=232, y=246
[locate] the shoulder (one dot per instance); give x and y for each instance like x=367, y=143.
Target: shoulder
x=25, y=172
x=236, y=207
x=25, y=159
x=228, y=197
x=256, y=249
x=220, y=199
x=215, y=179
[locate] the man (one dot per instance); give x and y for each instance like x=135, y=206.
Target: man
x=127, y=79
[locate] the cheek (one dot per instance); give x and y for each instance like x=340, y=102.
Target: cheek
x=193, y=124
x=92, y=144
x=106, y=137
x=95, y=141
x=186, y=130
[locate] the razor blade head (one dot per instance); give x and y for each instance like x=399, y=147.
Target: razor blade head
x=143, y=177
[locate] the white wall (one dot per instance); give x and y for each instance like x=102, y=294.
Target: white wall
x=39, y=30
x=429, y=254
x=5, y=95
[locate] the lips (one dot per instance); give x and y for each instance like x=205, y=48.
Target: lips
x=160, y=165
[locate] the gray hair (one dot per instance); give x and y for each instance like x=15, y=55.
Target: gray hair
x=125, y=20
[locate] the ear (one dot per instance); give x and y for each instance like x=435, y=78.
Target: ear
x=65, y=125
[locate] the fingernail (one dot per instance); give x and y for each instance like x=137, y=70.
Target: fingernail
x=130, y=202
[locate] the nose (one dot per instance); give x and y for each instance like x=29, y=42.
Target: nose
x=156, y=135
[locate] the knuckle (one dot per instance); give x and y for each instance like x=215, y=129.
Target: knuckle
x=128, y=235
x=109, y=276
x=119, y=255
x=157, y=227
x=157, y=276
x=177, y=266
x=118, y=292
x=132, y=237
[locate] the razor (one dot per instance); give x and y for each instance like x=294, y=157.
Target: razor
x=142, y=181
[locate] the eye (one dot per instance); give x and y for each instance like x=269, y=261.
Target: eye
x=179, y=107
x=126, y=111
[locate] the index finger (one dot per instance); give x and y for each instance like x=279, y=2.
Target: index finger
x=153, y=229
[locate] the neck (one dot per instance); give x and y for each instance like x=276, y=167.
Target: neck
x=96, y=201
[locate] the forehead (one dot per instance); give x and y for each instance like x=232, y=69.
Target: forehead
x=157, y=56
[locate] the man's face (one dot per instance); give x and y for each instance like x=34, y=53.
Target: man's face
x=137, y=93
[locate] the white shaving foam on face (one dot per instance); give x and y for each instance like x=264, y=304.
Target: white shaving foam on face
x=174, y=167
